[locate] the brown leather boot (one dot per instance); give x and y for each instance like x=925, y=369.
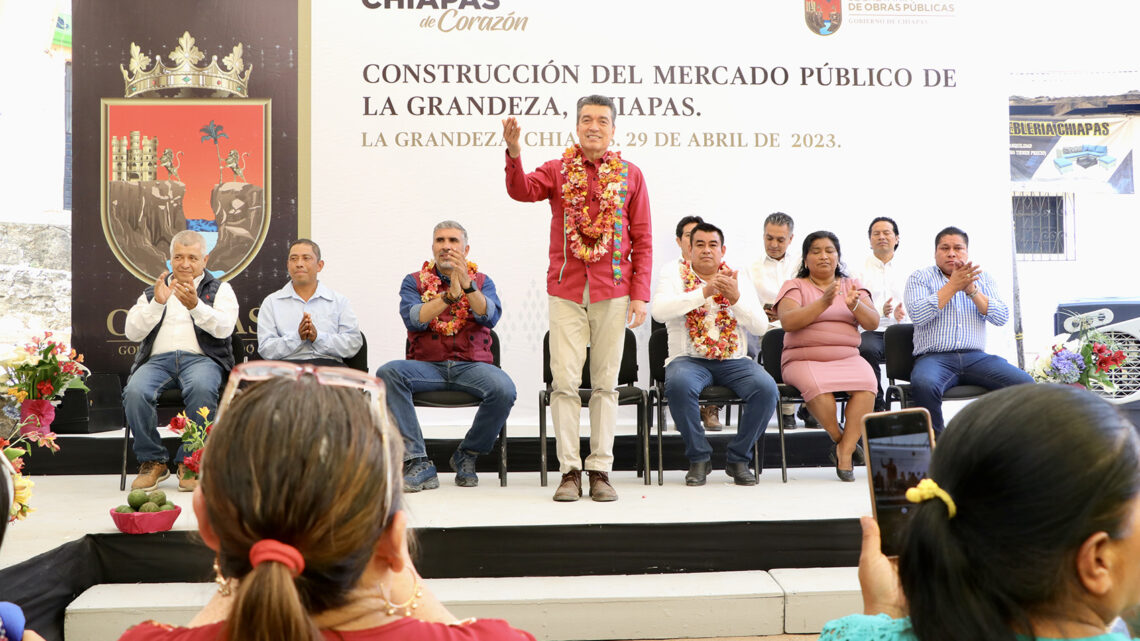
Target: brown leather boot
x=600, y=488
x=151, y=473
x=570, y=489
x=710, y=419
x=187, y=480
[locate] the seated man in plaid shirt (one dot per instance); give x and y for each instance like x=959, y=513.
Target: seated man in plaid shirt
x=950, y=304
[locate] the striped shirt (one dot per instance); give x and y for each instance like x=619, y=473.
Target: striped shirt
x=958, y=326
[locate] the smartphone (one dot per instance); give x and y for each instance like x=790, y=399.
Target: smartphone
x=898, y=446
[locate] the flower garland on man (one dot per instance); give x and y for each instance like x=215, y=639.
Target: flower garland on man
x=706, y=306
x=459, y=310
x=597, y=280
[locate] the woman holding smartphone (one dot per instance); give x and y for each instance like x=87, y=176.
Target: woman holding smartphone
x=1030, y=529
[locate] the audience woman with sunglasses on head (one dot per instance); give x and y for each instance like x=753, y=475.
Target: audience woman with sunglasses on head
x=1027, y=527
x=299, y=497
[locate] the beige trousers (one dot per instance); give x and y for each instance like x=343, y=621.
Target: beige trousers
x=573, y=326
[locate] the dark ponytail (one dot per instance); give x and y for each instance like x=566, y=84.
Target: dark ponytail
x=267, y=605
x=1034, y=470
x=309, y=466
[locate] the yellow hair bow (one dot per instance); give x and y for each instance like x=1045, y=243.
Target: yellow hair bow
x=927, y=489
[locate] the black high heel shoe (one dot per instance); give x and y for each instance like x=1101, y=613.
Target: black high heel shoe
x=847, y=476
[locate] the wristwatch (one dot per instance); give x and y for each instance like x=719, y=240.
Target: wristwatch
x=470, y=289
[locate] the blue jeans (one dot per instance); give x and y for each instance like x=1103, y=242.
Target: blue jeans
x=686, y=377
x=199, y=378
x=936, y=372
x=482, y=380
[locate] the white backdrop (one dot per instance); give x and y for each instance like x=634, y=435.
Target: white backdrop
x=926, y=156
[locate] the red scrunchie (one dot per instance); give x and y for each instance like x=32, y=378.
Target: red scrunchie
x=283, y=553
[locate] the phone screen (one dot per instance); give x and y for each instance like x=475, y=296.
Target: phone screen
x=898, y=446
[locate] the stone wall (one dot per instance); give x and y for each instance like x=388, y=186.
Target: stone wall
x=35, y=281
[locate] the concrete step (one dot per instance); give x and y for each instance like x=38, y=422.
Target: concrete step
x=648, y=606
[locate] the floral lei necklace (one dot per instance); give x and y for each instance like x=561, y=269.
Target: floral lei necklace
x=724, y=344
x=605, y=230
x=460, y=310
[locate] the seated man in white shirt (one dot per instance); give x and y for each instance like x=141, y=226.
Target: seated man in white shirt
x=706, y=307
x=769, y=273
x=709, y=413
x=182, y=324
x=886, y=280
x=306, y=320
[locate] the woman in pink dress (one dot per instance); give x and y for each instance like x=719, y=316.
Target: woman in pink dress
x=300, y=499
x=821, y=310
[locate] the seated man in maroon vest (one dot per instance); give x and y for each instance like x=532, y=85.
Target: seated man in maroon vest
x=449, y=308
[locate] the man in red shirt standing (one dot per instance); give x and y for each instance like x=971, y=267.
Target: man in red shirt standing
x=601, y=257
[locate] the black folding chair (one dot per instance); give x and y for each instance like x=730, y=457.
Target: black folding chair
x=456, y=398
x=711, y=395
x=628, y=394
x=898, y=343
x=771, y=351
x=359, y=360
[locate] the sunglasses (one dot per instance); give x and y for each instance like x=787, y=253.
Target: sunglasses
x=253, y=371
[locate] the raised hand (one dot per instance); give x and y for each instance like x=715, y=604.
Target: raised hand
x=511, y=131
x=851, y=298
x=161, y=289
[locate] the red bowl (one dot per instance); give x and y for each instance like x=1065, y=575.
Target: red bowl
x=145, y=522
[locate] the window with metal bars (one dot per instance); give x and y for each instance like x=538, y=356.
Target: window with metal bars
x=1044, y=226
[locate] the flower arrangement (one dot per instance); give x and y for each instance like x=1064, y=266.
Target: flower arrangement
x=1082, y=361
x=37, y=374
x=193, y=436
x=13, y=448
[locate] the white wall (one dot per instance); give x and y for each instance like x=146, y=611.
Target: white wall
x=902, y=152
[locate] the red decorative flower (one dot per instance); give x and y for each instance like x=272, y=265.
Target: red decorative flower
x=178, y=423
x=44, y=412
x=45, y=389
x=194, y=461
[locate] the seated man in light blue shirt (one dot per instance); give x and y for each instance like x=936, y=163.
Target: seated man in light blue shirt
x=305, y=320
x=950, y=304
